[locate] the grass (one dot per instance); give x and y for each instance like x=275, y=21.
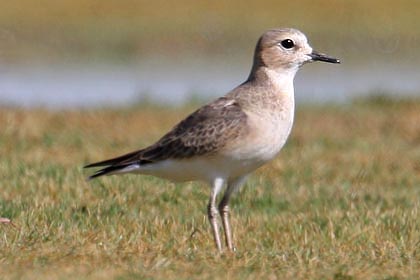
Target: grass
x=340, y=202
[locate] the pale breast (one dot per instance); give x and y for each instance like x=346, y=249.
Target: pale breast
x=268, y=132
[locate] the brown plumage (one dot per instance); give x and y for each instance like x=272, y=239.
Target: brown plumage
x=204, y=132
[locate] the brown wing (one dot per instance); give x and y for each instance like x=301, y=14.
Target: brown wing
x=205, y=131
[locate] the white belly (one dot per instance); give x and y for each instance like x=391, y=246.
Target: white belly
x=197, y=168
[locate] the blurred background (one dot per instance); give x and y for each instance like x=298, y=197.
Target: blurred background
x=96, y=53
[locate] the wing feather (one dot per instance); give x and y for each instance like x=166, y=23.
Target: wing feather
x=204, y=132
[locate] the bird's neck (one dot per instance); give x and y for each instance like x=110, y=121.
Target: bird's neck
x=279, y=80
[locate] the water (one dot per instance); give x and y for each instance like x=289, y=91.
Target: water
x=85, y=86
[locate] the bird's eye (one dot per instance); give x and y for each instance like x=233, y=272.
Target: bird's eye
x=287, y=44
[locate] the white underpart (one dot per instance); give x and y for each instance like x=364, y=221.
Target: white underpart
x=205, y=169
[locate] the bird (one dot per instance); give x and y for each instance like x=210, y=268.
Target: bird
x=225, y=140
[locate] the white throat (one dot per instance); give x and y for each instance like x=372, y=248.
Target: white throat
x=283, y=79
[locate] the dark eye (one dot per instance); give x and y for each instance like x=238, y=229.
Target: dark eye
x=287, y=44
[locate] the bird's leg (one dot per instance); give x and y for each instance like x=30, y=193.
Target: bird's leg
x=224, y=213
x=213, y=213
x=224, y=210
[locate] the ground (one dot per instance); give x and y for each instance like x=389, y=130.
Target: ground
x=341, y=201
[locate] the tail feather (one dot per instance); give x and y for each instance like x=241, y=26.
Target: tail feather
x=112, y=161
x=107, y=171
x=121, y=164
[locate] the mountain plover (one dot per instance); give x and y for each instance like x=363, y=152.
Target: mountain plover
x=225, y=140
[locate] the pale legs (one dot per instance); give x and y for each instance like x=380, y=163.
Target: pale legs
x=212, y=211
x=223, y=210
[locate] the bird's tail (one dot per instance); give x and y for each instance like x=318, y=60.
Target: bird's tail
x=112, y=166
x=109, y=170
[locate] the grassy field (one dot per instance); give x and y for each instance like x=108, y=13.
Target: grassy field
x=340, y=202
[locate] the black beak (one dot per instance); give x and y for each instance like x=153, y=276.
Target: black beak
x=323, y=57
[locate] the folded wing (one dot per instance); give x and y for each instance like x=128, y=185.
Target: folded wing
x=205, y=131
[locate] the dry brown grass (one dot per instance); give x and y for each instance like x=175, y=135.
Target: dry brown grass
x=340, y=202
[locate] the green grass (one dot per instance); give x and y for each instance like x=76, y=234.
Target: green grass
x=340, y=202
